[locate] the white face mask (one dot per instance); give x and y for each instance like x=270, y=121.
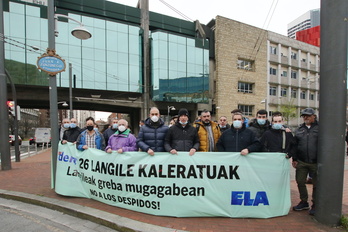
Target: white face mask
x=237, y=124
x=121, y=128
x=154, y=118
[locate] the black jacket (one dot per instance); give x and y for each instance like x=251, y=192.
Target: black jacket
x=152, y=136
x=306, y=143
x=72, y=134
x=181, y=138
x=236, y=140
x=258, y=129
x=107, y=134
x=224, y=129
x=272, y=141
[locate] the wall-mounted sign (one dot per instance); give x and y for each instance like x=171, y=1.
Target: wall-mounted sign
x=51, y=63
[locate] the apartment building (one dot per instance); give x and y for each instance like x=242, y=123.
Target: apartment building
x=257, y=69
x=307, y=20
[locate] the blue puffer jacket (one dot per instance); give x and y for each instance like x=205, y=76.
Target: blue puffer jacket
x=152, y=136
x=81, y=141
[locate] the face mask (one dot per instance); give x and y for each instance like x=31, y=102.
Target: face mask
x=95, y=129
x=222, y=126
x=90, y=128
x=140, y=125
x=183, y=123
x=154, y=118
x=237, y=124
x=66, y=125
x=170, y=125
x=72, y=125
x=277, y=126
x=121, y=128
x=261, y=121
x=114, y=126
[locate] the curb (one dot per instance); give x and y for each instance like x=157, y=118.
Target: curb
x=97, y=216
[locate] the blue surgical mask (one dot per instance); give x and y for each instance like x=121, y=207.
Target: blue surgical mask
x=96, y=129
x=183, y=123
x=114, y=126
x=261, y=121
x=72, y=125
x=66, y=125
x=277, y=126
x=237, y=124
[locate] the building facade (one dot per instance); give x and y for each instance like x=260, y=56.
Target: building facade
x=258, y=69
x=307, y=20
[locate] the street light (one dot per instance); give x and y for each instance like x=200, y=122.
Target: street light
x=64, y=104
x=169, y=109
x=79, y=33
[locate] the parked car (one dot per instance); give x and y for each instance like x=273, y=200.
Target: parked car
x=11, y=140
x=32, y=141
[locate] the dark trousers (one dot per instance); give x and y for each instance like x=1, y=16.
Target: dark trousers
x=302, y=170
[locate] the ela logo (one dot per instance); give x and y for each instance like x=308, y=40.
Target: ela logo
x=240, y=197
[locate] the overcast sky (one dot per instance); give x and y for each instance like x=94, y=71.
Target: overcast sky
x=273, y=15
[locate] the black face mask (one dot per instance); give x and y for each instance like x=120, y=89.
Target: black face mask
x=90, y=128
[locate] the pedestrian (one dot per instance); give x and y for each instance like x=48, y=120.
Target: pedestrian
x=208, y=132
x=223, y=124
x=182, y=136
x=152, y=134
x=260, y=124
x=122, y=140
x=238, y=138
x=305, y=155
x=72, y=133
x=90, y=138
x=65, y=125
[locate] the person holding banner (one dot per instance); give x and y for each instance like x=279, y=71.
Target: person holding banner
x=90, y=138
x=182, y=136
x=238, y=138
x=152, y=134
x=277, y=139
x=72, y=133
x=111, y=130
x=122, y=140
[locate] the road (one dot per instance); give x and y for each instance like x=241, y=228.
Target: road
x=19, y=216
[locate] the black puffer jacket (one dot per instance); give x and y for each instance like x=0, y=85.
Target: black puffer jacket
x=306, y=143
x=72, y=134
x=257, y=128
x=272, y=141
x=152, y=136
x=181, y=138
x=236, y=140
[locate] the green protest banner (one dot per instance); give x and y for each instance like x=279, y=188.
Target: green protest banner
x=208, y=184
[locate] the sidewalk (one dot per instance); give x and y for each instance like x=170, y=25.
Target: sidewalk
x=29, y=181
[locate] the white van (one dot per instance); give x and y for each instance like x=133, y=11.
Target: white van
x=42, y=135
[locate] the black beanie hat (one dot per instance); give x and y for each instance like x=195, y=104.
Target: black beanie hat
x=183, y=111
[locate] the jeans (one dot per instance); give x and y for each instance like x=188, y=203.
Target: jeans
x=302, y=170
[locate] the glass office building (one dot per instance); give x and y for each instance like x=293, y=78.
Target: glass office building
x=111, y=60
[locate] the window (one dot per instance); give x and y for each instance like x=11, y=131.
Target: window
x=273, y=50
x=303, y=94
x=273, y=91
x=272, y=71
x=284, y=74
x=283, y=92
x=245, y=87
x=293, y=74
x=293, y=93
x=311, y=96
x=247, y=110
x=293, y=55
x=245, y=64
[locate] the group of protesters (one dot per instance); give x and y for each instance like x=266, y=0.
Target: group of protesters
x=206, y=135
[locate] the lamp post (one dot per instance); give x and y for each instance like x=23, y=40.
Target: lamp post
x=169, y=109
x=80, y=33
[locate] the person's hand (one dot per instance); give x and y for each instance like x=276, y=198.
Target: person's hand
x=120, y=151
x=173, y=152
x=244, y=151
x=287, y=130
x=192, y=151
x=150, y=152
x=294, y=164
x=64, y=141
x=85, y=147
x=109, y=150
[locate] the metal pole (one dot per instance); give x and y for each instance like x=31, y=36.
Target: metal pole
x=15, y=118
x=144, y=6
x=333, y=78
x=53, y=93
x=71, y=115
x=4, y=144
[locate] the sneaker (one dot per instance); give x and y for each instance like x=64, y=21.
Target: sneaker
x=301, y=206
x=312, y=210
